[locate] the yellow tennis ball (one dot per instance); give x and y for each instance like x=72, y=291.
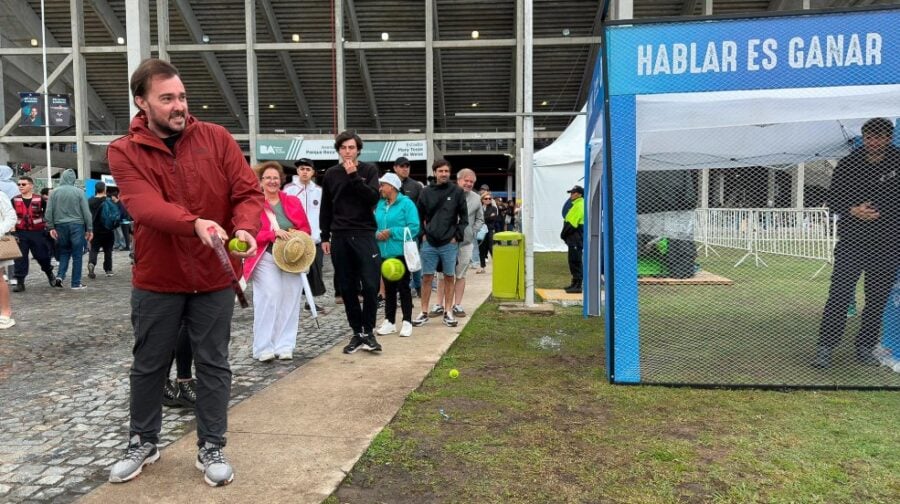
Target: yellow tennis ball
x=392, y=269
x=454, y=373
x=238, y=245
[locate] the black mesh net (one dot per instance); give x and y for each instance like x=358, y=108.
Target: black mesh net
x=767, y=245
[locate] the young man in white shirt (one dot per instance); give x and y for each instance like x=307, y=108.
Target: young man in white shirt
x=309, y=193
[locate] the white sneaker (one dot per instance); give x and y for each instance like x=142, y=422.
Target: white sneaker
x=406, y=329
x=386, y=328
x=285, y=355
x=6, y=322
x=266, y=356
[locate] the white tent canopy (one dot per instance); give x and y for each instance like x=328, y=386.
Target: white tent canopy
x=756, y=128
x=557, y=168
x=721, y=129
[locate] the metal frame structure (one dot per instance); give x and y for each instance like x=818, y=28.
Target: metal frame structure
x=137, y=33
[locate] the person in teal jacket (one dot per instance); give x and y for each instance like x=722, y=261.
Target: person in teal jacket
x=573, y=235
x=394, y=214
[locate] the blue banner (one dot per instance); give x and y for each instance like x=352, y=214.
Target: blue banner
x=815, y=50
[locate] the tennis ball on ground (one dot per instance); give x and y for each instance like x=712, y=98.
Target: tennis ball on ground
x=238, y=245
x=392, y=269
x=454, y=373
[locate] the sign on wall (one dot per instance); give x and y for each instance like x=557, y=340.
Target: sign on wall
x=289, y=150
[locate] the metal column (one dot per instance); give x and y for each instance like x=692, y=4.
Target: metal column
x=162, y=29
x=137, y=28
x=339, y=65
x=79, y=79
x=252, y=83
x=429, y=86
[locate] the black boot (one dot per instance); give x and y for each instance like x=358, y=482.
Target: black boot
x=20, y=285
x=51, y=278
x=575, y=288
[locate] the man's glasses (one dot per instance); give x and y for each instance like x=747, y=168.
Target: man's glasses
x=23, y=184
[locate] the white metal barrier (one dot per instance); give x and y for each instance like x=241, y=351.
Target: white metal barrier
x=808, y=233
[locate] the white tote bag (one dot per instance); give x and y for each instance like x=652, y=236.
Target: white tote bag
x=411, y=252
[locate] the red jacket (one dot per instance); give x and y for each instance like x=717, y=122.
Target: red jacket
x=207, y=178
x=293, y=209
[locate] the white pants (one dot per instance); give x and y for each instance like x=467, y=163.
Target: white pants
x=276, y=308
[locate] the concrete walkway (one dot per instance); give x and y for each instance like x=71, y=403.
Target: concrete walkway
x=296, y=440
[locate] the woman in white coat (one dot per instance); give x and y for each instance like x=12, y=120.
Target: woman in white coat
x=7, y=223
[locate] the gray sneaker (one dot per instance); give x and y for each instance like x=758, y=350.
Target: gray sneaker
x=216, y=470
x=137, y=455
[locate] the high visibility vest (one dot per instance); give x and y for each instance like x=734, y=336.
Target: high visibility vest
x=29, y=219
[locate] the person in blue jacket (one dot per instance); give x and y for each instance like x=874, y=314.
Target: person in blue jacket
x=394, y=214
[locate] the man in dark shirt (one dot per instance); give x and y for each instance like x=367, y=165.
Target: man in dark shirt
x=347, y=219
x=444, y=215
x=103, y=238
x=864, y=197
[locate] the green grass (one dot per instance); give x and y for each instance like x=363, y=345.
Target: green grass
x=532, y=419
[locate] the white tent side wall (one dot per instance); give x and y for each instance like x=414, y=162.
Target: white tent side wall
x=557, y=168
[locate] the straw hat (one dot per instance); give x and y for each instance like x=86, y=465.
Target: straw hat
x=294, y=254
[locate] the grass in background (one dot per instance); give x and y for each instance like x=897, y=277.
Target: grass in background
x=532, y=419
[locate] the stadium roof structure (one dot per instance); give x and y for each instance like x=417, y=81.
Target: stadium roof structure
x=380, y=72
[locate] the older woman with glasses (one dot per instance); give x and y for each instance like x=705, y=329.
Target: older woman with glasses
x=491, y=218
x=276, y=293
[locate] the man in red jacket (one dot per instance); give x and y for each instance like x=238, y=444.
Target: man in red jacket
x=183, y=181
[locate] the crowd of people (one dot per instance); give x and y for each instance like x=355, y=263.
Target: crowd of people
x=195, y=250
x=191, y=252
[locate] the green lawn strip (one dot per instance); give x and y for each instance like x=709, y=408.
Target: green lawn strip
x=531, y=418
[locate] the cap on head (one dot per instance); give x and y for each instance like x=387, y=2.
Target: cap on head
x=577, y=189
x=391, y=179
x=401, y=161
x=304, y=162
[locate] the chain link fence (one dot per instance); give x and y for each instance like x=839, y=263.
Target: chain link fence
x=741, y=281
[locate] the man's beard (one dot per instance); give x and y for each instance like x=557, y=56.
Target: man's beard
x=164, y=128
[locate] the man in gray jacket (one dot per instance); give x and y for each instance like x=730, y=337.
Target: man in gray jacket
x=70, y=224
x=466, y=181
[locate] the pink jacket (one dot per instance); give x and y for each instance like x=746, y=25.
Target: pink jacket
x=294, y=211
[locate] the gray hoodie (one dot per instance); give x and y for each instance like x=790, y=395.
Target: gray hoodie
x=68, y=204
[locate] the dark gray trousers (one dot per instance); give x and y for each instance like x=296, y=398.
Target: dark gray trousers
x=156, y=318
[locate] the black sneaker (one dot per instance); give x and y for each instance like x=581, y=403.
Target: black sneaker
x=369, y=343
x=187, y=395
x=57, y=282
x=355, y=342
x=20, y=286
x=170, y=394
x=51, y=278
x=91, y=273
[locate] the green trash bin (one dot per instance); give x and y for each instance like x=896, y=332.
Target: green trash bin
x=509, y=265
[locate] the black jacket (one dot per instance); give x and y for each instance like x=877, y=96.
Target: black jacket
x=443, y=212
x=411, y=188
x=857, y=181
x=348, y=201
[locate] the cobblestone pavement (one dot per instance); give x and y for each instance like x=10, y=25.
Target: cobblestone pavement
x=64, y=381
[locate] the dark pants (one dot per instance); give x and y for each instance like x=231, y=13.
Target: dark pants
x=316, y=276
x=575, y=264
x=36, y=243
x=157, y=318
x=851, y=259
x=391, y=289
x=484, y=248
x=106, y=242
x=183, y=357
x=357, y=261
